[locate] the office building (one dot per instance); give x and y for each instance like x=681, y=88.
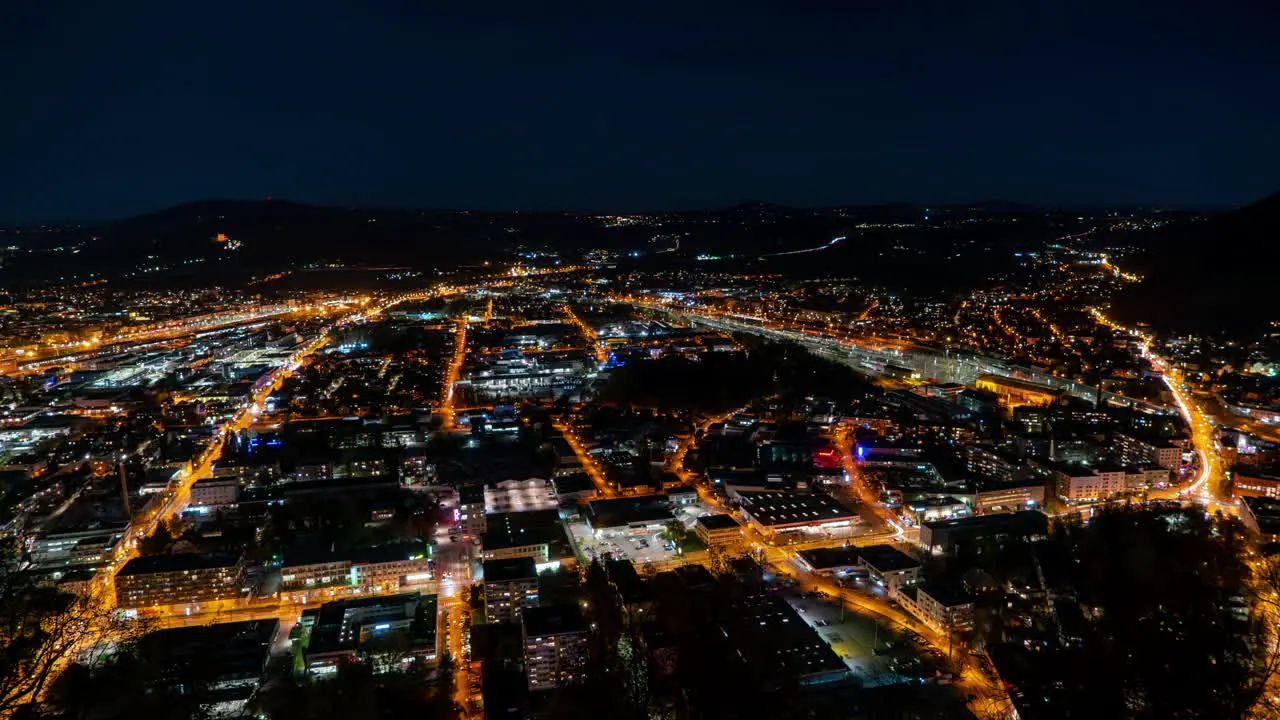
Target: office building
x=341, y=631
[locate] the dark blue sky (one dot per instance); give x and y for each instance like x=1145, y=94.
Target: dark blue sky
x=113, y=108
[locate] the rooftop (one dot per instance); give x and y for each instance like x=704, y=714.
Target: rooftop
x=767, y=633
x=507, y=530
x=508, y=570
x=617, y=512
x=554, y=620
x=887, y=558
x=771, y=508
x=825, y=558
x=945, y=594
x=175, y=563
x=718, y=521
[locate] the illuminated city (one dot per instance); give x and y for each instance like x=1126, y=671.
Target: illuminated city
x=461, y=430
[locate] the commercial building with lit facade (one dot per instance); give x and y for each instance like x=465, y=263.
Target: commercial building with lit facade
x=1011, y=496
x=378, y=569
x=339, y=631
x=519, y=496
x=793, y=515
x=539, y=534
x=944, y=536
x=1013, y=392
x=1248, y=482
x=719, y=531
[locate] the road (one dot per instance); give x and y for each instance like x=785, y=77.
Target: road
x=1208, y=486
x=101, y=587
x=589, y=463
x=588, y=332
x=451, y=373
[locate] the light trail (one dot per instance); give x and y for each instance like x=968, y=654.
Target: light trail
x=834, y=241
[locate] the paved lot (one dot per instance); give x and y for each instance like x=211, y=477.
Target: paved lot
x=640, y=547
x=876, y=654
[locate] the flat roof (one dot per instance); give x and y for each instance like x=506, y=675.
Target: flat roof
x=505, y=530
x=998, y=520
x=299, y=555
x=510, y=569
x=767, y=632
x=175, y=563
x=616, y=512
x=554, y=620
x=573, y=483
x=887, y=558
x=718, y=521
x=826, y=558
x=769, y=507
x=945, y=594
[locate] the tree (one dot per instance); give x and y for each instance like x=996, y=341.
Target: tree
x=1164, y=635
x=41, y=629
x=676, y=532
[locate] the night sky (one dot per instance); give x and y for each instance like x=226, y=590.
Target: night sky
x=113, y=108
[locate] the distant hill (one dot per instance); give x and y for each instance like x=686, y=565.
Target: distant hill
x=221, y=240
x=1219, y=274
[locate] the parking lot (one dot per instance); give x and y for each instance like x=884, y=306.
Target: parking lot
x=641, y=546
x=876, y=654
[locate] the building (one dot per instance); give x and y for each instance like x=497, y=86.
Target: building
x=945, y=536
x=831, y=561
x=215, y=492
x=889, y=566
x=1139, y=449
x=933, y=507
x=574, y=487
x=555, y=646
x=988, y=463
x=93, y=544
x=719, y=530
x=629, y=514
x=510, y=585
x=1145, y=477
x=1084, y=484
x=519, y=496
x=538, y=534
x=178, y=580
x=943, y=610
x=471, y=514
x=1262, y=516
x=342, y=631
x=231, y=657
x=682, y=495
x=1007, y=496
x=1249, y=482
x=773, y=641
x=1013, y=392
x=792, y=516
x=380, y=569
